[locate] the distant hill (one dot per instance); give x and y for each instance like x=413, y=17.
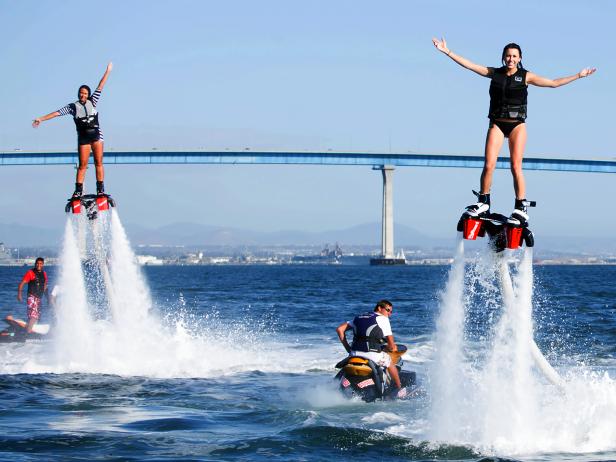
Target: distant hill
x=195, y=234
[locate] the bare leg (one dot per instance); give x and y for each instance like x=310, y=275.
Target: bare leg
x=517, y=143
x=393, y=373
x=97, y=150
x=84, y=157
x=14, y=321
x=494, y=142
x=31, y=323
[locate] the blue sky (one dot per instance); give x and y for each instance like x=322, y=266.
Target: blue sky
x=284, y=75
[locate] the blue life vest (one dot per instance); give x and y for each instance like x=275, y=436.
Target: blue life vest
x=367, y=334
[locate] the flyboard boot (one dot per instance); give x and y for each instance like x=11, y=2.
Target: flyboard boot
x=519, y=216
x=92, y=204
x=481, y=207
x=471, y=221
x=100, y=188
x=78, y=191
x=516, y=228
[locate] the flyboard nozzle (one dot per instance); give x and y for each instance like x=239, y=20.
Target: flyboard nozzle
x=74, y=206
x=514, y=236
x=472, y=228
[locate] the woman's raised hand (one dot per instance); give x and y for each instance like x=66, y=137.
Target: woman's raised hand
x=587, y=71
x=441, y=45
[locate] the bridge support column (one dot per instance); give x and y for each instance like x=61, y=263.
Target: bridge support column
x=387, y=222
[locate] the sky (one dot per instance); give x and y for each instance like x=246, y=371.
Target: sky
x=314, y=75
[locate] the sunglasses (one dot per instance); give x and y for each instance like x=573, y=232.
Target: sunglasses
x=387, y=309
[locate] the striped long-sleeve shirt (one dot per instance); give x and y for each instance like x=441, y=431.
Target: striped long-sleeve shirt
x=69, y=109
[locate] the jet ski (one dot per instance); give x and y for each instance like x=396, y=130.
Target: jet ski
x=363, y=378
x=15, y=332
x=502, y=234
x=90, y=204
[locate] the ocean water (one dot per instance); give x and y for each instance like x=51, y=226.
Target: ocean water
x=236, y=363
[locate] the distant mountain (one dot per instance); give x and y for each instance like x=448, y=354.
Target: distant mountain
x=195, y=234
x=191, y=234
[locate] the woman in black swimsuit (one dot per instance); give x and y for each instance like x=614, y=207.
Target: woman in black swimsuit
x=508, y=92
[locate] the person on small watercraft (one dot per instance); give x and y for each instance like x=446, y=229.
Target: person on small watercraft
x=373, y=339
x=89, y=134
x=507, y=114
x=36, y=278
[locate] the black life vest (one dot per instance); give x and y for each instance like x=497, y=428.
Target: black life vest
x=36, y=286
x=367, y=334
x=508, y=95
x=86, y=117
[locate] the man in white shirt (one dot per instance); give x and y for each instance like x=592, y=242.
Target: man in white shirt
x=373, y=338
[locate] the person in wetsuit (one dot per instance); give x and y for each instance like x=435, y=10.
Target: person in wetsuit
x=373, y=339
x=89, y=134
x=36, y=278
x=507, y=114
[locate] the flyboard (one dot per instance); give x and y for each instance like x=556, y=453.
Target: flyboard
x=16, y=331
x=503, y=234
x=90, y=204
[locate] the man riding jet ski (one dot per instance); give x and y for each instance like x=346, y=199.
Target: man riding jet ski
x=373, y=369
x=502, y=231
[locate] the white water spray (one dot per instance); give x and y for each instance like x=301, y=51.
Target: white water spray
x=447, y=369
x=108, y=322
x=73, y=340
x=513, y=401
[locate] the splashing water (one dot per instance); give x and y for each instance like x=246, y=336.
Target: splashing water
x=508, y=398
x=446, y=370
x=73, y=342
x=107, y=321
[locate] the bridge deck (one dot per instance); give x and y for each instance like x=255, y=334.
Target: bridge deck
x=305, y=158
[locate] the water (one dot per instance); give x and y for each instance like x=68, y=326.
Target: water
x=235, y=363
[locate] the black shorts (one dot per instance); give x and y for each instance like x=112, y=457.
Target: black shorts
x=88, y=136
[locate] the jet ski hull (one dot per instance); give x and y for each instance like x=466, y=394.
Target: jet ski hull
x=362, y=378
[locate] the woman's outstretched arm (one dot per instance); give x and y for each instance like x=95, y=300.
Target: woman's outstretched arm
x=538, y=81
x=103, y=81
x=441, y=45
x=36, y=122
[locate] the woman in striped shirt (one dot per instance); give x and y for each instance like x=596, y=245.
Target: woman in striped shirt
x=89, y=135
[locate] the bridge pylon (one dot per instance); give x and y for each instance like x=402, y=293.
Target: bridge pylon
x=387, y=222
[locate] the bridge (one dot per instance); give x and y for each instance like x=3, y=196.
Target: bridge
x=386, y=163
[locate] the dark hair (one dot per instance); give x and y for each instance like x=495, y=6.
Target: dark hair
x=87, y=88
x=39, y=259
x=383, y=304
x=515, y=46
